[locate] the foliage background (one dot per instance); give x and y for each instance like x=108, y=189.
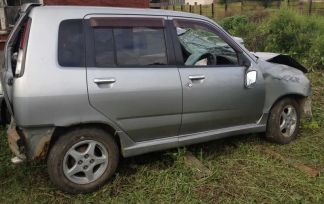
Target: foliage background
x=284, y=31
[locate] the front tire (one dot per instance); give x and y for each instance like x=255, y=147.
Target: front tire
x=283, y=122
x=82, y=160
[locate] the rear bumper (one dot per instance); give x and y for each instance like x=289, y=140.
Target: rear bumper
x=29, y=143
x=16, y=142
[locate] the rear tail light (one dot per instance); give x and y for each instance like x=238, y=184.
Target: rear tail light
x=22, y=49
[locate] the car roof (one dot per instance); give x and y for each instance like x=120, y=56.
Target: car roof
x=84, y=10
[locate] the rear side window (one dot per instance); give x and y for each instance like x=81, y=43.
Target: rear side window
x=140, y=46
x=132, y=46
x=71, y=48
x=104, y=47
x=128, y=41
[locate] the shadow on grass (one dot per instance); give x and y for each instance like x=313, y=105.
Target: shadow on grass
x=165, y=159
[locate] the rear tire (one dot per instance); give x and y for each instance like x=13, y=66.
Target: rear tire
x=82, y=160
x=283, y=122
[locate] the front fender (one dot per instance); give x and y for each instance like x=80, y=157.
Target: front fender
x=282, y=80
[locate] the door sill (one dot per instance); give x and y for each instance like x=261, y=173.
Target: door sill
x=137, y=148
x=205, y=136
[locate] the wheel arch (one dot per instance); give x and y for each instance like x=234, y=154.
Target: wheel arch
x=303, y=101
x=60, y=130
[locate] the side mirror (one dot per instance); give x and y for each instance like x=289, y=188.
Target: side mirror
x=250, y=78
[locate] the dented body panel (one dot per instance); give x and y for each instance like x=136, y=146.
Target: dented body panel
x=29, y=143
x=281, y=59
x=282, y=80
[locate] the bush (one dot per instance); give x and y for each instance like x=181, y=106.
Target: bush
x=251, y=32
x=259, y=15
x=315, y=57
x=284, y=31
x=290, y=33
x=235, y=24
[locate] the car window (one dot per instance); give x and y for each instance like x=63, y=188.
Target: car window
x=201, y=46
x=71, y=43
x=104, y=47
x=130, y=46
x=140, y=46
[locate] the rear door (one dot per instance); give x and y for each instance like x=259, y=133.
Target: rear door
x=131, y=74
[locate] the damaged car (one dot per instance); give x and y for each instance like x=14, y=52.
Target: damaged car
x=85, y=86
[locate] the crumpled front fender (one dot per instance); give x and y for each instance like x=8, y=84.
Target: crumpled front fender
x=282, y=80
x=281, y=59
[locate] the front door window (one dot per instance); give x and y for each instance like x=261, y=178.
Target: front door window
x=202, y=47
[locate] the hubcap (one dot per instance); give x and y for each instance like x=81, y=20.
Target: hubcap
x=288, y=121
x=85, y=162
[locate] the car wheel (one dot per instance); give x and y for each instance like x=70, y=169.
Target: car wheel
x=82, y=160
x=283, y=122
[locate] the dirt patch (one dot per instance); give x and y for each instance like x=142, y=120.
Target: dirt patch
x=200, y=170
x=310, y=171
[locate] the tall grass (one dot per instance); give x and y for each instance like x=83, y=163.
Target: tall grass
x=284, y=31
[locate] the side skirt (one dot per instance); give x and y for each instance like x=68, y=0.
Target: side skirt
x=131, y=148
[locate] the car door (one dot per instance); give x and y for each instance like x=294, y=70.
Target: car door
x=213, y=79
x=131, y=74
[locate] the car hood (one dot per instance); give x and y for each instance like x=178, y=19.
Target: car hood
x=280, y=59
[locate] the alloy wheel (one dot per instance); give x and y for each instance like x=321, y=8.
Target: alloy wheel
x=85, y=162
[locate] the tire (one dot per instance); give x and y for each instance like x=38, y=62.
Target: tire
x=283, y=126
x=79, y=152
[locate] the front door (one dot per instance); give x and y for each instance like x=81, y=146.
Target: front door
x=131, y=79
x=214, y=92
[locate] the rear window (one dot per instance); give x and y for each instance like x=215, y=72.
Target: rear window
x=71, y=48
x=132, y=46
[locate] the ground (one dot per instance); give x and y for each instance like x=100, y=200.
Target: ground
x=245, y=168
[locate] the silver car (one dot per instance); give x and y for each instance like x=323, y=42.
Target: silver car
x=86, y=85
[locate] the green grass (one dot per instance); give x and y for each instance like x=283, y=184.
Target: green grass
x=240, y=172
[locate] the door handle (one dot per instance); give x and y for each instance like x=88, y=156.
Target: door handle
x=196, y=77
x=104, y=81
